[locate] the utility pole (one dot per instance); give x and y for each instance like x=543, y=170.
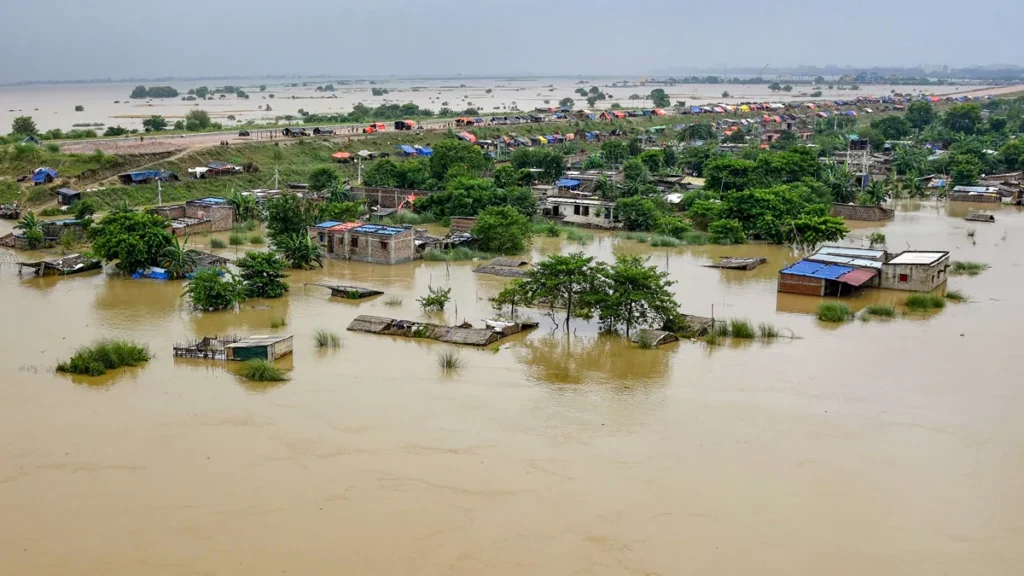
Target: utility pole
x=159, y=192
x=359, y=174
x=277, y=185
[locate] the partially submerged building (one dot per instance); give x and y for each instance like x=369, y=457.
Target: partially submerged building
x=585, y=212
x=839, y=271
x=375, y=243
x=70, y=264
x=916, y=271
x=464, y=334
x=987, y=194
x=862, y=212
x=259, y=347
x=199, y=216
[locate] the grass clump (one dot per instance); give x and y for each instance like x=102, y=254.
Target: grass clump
x=260, y=370
x=404, y=217
x=577, y=235
x=665, y=241
x=236, y=239
x=105, y=355
x=393, y=301
x=766, y=331
x=741, y=328
x=327, y=339
x=256, y=239
x=880, y=310
x=644, y=341
x=549, y=229
x=247, y=226
x=967, y=268
x=924, y=302
x=449, y=361
x=278, y=322
x=834, y=312
x=956, y=296
x=217, y=243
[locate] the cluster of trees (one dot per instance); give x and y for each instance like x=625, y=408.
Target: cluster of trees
x=362, y=113
x=261, y=275
x=626, y=295
x=141, y=91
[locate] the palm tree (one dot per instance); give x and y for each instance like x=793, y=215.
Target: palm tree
x=300, y=251
x=913, y=185
x=177, y=260
x=875, y=192
x=245, y=206
x=28, y=223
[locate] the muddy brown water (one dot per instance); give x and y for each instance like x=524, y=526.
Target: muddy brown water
x=887, y=447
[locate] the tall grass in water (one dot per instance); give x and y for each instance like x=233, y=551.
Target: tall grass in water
x=577, y=235
x=924, y=302
x=880, y=310
x=644, y=340
x=449, y=361
x=393, y=301
x=260, y=370
x=967, y=268
x=247, y=226
x=278, y=322
x=741, y=328
x=834, y=312
x=105, y=355
x=457, y=254
x=256, y=239
x=327, y=339
x=766, y=331
x=218, y=243
x=236, y=239
x=665, y=242
x=549, y=229
x=956, y=296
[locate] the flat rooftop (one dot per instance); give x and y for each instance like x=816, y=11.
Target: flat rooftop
x=925, y=258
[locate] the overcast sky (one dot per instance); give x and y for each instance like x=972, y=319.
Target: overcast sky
x=72, y=39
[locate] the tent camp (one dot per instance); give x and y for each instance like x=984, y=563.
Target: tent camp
x=43, y=176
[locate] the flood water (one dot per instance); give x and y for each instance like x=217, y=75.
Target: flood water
x=886, y=447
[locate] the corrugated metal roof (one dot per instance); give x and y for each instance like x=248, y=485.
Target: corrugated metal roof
x=858, y=277
x=817, y=270
x=327, y=224
x=857, y=262
x=926, y=258
x=852, y=252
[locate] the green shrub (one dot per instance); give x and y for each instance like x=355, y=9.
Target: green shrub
x=665, y=242
x=256, y=239
x=549, y=229
x=436, y=299
x=741, y=328
x=920, y=301
x=456, y=254
x=260, y=370
x=278, y=322
x=577, y=235
x=236, y=239
x=105, y=355
x=449, y=361
x=217, y=243
x=834, y=312
x=327, y=339
x=881, y=310
x=967, y=268
x=644, y=341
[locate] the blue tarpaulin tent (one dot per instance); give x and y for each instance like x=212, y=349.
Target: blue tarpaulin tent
x=567, y=183
x=695, y=109
x=424, y=151
x=406, y=149
x=43, y=175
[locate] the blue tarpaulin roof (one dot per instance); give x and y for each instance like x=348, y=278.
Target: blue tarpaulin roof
x=817, y=270
x=567, y=183
x=695, y=109
x=406, y=149
x=424, y=151
x=40, y=174
x=327, y=224
x=377, y=229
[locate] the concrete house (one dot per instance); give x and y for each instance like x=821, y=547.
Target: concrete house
x=199, y=216
x=585, y=212
x=380, y=244
x=916, y=271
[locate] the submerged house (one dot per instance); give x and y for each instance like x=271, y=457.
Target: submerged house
x=916, y=271
x=259, y=347
x=833, y=271
x=199, y=216
x=862, y=212
x=988, y=194
x=585, y=212
x=70, y=264
x=375, y=243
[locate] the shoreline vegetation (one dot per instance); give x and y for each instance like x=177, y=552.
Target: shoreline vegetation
x=104, y=356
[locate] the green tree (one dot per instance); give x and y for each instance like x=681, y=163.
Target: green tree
x=815, y=227
x=450, y=153
x=907, y=158
x=245, y=206
x=436, y=299
x=701, y=131
x=31, y=227
x=502, y=229
x=197, y=120
x=135, y=240
x=382, y=173
x=83, y=209
x=513, y=295
x=506, y=176
x=139, y=92
x=550, y=161
x=638, y=295
x=262, y=275
x=637, y=214
x=920, y=114
x=178, y=259
x=614, y=151
x=727, y=173
x=202, y=92
x=654, y=160
x=286, y=216
x=726, y=232
x=787, y=139
x=660, y=99
x=875, y=193
x=116, y=131
x=775, y=86
x=566, y=102
x=154, y=123
x=963, y=118
x=964, y=170
x=1012, y=154
x=214, y=289
x=300, y=251
x=24, y=126
x=573, y=283
x=323, y=178
x=670, y=157
x=787, y=88
x=892, y=127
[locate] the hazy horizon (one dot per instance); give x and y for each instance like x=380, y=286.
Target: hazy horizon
x=444, y=38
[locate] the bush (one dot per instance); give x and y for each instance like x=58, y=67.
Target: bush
x=967, y=268
x=323, y=178
x=741, y=328
x=502, y=229
x=834, y=312
x=922, y=302
x=218, y=243
x=393, y=301
x=456, y=255
x=105, y=355
x=256, y=239
x=259, y=370
x=236, y=239
x=213, y=289
x=262, y=275
x=327, y=339
x=436, y=299
x=664, y=241
x=726, y=232
x=644, y=340
x=881, y=310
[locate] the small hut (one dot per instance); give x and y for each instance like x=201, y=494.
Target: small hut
x=259, y=347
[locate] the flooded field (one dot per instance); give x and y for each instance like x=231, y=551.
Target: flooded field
x=885, y=447
x=52, y=105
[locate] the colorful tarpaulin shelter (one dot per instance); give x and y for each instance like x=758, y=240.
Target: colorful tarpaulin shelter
x=467, y=137
x=341, y=155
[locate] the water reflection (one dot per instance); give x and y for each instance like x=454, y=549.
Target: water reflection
x=604, y=359
x=254, y=316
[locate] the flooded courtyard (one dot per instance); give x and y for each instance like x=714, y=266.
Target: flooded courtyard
x=889, y=447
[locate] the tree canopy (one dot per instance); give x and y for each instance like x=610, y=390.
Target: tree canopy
x=136, y=240
x=502, y=229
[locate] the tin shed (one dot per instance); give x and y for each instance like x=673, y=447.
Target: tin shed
x=261, y=347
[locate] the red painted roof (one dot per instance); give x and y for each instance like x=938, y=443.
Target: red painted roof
x=858, y=276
